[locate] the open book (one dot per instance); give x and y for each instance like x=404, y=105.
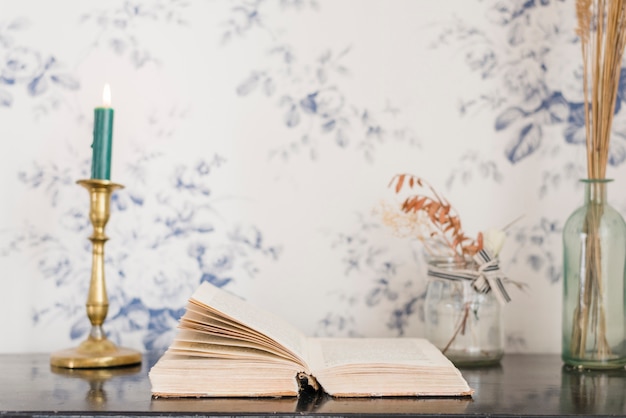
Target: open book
x=226, y=347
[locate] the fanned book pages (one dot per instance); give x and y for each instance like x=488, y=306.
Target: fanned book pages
x=226, y=347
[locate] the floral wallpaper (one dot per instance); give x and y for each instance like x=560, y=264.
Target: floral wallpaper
x=255, y=140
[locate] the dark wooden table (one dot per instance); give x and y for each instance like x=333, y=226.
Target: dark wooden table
x=524, y=385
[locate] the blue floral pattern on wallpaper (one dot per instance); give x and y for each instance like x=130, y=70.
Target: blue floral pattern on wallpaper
x=379, y=284
x=119, y=28
x=172, y=209
x=27, y=69
x=308, y=92
x=527, y=101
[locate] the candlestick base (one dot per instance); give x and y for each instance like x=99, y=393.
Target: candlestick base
x=95, y=352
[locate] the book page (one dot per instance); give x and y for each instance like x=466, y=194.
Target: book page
x=327, y=353
x=224, y=328
x=195, y=342
x=359, y=367
x=231, y=306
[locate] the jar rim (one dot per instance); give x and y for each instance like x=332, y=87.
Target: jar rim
x=450, y=261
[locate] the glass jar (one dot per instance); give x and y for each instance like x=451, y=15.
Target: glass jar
x=466, y=325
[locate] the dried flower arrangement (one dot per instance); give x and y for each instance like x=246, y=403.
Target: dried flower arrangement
x=602, y=31
x=429, y=217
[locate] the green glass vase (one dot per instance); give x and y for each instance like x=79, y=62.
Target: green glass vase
x=594, y=271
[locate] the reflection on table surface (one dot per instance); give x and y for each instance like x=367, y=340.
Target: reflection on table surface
x=321, y=404
x=96, y=396
x=521, y=385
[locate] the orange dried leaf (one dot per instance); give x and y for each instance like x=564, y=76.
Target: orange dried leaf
x=419, y=203
x=433, y=207
x=399, y=183
x=442, y=216
x=412, y=204
x=470, y=249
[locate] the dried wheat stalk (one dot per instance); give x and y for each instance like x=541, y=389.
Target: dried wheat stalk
x=602, y=31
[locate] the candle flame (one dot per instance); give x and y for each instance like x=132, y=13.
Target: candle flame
x=106, y=95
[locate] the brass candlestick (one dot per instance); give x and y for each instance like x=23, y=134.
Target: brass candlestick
x=97, y=351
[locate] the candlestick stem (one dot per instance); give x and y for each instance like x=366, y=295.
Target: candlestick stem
x=97, y=351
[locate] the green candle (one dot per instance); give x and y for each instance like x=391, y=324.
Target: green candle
x=102, y=138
